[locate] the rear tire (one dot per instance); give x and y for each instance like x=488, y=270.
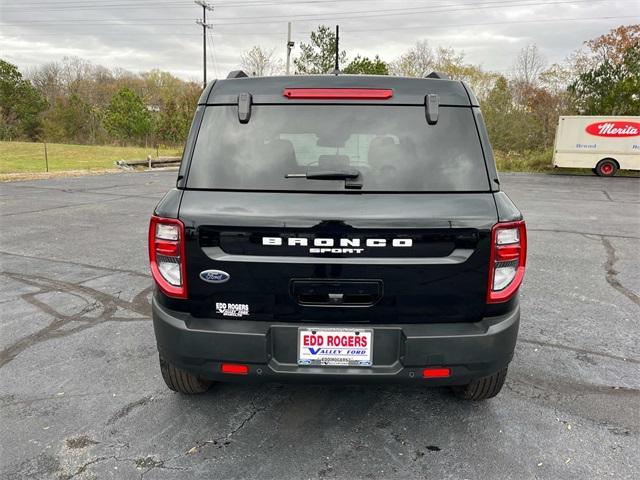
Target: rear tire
x=482, y=388
x=182, y=381
x=606, y=167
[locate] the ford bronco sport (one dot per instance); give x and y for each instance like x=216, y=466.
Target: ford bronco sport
x=337, y=228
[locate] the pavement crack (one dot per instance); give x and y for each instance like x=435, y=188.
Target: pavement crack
x=10, y=399
x=224, y=440
x=150, y=463
x=606, y=194
x=254, y=411
x=576, y=232
x=82, y=468
x=578, y=350
x=611, y=272
x=75, y=205
x=126, y=410
x=58, y=327
x=77, y=264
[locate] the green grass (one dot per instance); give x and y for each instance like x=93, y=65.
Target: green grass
x=26, y=157
x=533, y=161
x=540, y=161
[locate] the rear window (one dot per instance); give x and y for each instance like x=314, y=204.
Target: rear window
x=393, y=148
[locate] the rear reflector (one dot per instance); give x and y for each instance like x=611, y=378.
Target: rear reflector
x=166, y=248
x=436, y=373
x=234, y=368
x=338, y=93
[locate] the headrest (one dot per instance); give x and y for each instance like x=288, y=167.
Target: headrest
x=280, y=147
x=333, y=162
x=280, y=152
x=382, y=151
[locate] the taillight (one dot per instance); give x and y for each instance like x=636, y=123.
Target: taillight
x=508, y=259
x=338, y=93
x=166, y=256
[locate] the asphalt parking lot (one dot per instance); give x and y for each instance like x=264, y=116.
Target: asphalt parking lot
x=81, y=394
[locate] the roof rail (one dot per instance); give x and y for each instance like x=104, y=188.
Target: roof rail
x=439, y=75
x=237, y=74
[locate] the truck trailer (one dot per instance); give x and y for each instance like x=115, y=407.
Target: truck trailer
x=603, y=144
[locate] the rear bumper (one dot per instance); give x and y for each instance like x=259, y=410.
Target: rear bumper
x=401, y=351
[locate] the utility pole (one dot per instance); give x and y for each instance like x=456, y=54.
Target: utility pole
x=290, y=45
x=205, y=6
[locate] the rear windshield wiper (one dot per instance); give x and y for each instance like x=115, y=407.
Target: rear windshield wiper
x=351, y=177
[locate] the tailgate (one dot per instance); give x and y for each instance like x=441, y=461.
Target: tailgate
x=373, y=258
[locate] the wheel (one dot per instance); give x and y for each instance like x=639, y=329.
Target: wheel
x=482, y=388
x=182, y=381
x=606, y=168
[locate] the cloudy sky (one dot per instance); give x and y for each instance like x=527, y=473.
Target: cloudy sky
x=140, y=35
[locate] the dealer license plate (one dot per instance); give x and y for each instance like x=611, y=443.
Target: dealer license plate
x=348, y=347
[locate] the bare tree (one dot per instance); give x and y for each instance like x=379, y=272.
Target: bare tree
x=529, y=64
x=417, y=62
x=260, y=62
x=47, y=79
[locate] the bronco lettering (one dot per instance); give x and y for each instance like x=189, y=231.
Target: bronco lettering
x=329, y=245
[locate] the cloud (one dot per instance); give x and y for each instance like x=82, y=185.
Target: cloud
x=139, y=35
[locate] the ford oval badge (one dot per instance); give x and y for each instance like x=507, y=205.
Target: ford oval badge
x=214, y=276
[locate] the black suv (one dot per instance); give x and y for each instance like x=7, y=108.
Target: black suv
x=337, y=228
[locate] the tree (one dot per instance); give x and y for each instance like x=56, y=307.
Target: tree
x=319, y=55
x=528, y=65
x=511, y=127
x=613, y=45
x=480, y=81
x=173, y=124
x=417, y=62
x=260, y=62
x=610, y=88
x=47, y=79
x=497, y=109
x=127, y=117
x=542, y=107
x=71, y=120
x=159, y=87
x=365, y=66
x=421, y=60
x=20, y=104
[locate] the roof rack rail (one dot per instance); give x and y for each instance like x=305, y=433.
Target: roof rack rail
x=439, y=75
x=237, y=74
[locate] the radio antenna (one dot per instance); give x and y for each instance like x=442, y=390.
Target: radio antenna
x=337, y=65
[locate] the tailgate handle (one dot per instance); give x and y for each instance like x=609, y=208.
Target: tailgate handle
x=329, y=293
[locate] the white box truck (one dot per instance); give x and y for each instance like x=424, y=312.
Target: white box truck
x=603, y=144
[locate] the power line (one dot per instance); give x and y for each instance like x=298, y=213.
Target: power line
x=367, y=13
x=510, y=22
x=24, y=7
x=388, y=13
x=350, y=31
x=213, y=55
x=78, y=4
x=231, y=3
